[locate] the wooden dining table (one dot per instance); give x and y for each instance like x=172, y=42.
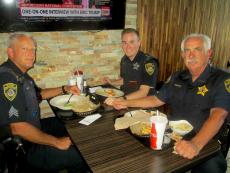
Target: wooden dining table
x=107, y=150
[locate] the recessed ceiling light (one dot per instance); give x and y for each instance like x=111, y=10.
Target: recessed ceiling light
x=8, y=1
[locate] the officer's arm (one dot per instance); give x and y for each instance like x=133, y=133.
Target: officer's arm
x=144, y=102
x=52, y=92
x=190, y=149
x=35, y=135
x=210, y=127
x=115, y=82
x=142, y=92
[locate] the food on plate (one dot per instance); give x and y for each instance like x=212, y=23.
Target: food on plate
x=76, y=103
x=109, y=92
x=140, y=115
x=109, y=101
x=145, y=129
x=175, y=137
x=138, y=121
x=181, y=127
x=124, y=123
x=68, y=105
x=84, y=105
x=130, y=119
x=141, y=128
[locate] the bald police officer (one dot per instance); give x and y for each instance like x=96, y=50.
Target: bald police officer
x=48, y=146
x=200, y=95
x=138, y=71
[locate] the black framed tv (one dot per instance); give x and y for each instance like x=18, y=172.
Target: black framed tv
x=61, y=15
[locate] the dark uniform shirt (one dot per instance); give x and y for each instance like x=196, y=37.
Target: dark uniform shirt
x=192, y=101
x=18, y=96
x=143, y=70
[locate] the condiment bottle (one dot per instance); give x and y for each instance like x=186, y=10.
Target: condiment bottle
x=84, y=87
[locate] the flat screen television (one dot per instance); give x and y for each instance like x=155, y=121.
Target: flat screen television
x=61, y=15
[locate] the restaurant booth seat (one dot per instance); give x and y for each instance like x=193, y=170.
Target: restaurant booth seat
x=159, y=84
x=224, y=139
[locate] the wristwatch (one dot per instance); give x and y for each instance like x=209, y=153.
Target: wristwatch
x=63, y=90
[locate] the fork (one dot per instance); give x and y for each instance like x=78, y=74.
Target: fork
x=69, y=99
x=129, y=112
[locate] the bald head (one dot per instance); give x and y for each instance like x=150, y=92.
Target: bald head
x=22, y=51
x=16, y=37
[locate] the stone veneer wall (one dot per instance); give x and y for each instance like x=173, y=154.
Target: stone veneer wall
x=97, y=53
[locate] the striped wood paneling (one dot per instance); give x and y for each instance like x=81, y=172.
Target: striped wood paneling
x=164, y=23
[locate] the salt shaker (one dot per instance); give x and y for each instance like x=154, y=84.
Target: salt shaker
x=72, y=81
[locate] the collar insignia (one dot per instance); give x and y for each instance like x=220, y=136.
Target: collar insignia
x=10, y=91
x=136, y=66
x=177, y=85
x=149, y=67
x=227, y=85
x=202, y=90
x=168, y=80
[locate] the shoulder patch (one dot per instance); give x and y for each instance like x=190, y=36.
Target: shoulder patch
x=10, y=90
x=150, y=68
x=227, y=85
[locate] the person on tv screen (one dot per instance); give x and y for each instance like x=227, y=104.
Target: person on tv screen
x=138, y=71
x=46, y=1
x=67, y=2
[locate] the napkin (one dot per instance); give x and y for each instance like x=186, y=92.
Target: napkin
x=89, y=119
x=93, y=89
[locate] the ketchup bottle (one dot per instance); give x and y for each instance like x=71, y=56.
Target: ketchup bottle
x=153, y=137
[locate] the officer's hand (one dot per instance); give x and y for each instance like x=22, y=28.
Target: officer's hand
x=63, y=143
x=186, y=149
x=72, y=89
x=109, y=101
x=120, y=103
x=106, y=80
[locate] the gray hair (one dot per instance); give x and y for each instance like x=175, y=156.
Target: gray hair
x=16, y=36
x=205, y=38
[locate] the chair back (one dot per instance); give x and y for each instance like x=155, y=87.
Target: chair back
x=11, y=151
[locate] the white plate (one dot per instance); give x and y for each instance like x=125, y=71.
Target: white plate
x=109, y=92
x=180, y=127
x=60, y=101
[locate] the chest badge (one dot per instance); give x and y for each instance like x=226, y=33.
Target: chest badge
x=202, y=90
x=227, y=85
x=136, y=66
x=149, y=67
x=10, y=91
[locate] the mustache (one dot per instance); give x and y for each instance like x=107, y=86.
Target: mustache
x=191, y=60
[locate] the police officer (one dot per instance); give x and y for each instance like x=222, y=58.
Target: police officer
x=138, y=71
x=200, y=95
x=49, y=148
